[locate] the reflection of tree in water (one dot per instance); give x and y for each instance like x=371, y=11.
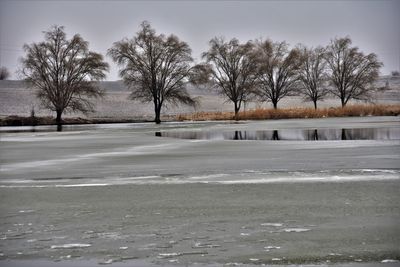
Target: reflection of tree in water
x=238, y=135
x=275, y=135
x=309, y=135
x=59, y=127
x=262, y=135
x=344, y=137
x=291, y=134
x=315, y=135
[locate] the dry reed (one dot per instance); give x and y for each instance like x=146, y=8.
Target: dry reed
x=296, y=113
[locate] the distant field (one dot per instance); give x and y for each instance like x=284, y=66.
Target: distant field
x=17, y=99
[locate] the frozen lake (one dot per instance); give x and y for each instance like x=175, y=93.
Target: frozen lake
x=122, y=192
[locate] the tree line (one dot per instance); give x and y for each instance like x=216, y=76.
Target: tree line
x=157, y=68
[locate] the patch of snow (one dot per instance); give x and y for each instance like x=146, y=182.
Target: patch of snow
x=272, y=247
x=169, y=255
x=205, y=245
x=389, y=261
x=77, y=245
x=218, y=175
x=66, y=257
x=272, y=224
x=295, y=230
x=26, y=211
x=106, y=262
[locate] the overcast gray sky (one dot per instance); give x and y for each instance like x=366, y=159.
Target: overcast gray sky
x=372, y=25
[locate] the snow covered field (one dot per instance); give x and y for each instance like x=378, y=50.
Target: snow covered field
x=16, y=99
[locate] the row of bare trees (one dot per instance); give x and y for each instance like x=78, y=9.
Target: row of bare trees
x=157, y=69
x=269, y=71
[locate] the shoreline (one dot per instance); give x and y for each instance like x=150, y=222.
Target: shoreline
x=14, y=120
x=256, y=114
x=140, y=263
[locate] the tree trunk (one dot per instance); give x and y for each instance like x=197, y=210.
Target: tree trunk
x=238, y=135
x=275, y=103
x=315, y=134
x=33, y=118
x=343, y=102
x=275, y=135
x=236, y=111
x=344, y=137
x=157, y=110
x=315, y=104
x=58, y=120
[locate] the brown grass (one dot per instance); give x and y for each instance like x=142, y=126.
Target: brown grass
x=296, y=113
x=256, y=114
x=28, y=121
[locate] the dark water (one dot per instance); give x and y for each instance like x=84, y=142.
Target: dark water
x=70, y=128
x=290, y=134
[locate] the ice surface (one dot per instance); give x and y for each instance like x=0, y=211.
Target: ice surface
x=259, y=177
x=220, y=186
x=136, y=150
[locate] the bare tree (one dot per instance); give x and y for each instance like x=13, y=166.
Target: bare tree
x=155, y=67
x=395, y=73
x=230, y=68
x=277, y=70
x=312, y=74
x=64, y=71
x=352, y=73
x=4, y=74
